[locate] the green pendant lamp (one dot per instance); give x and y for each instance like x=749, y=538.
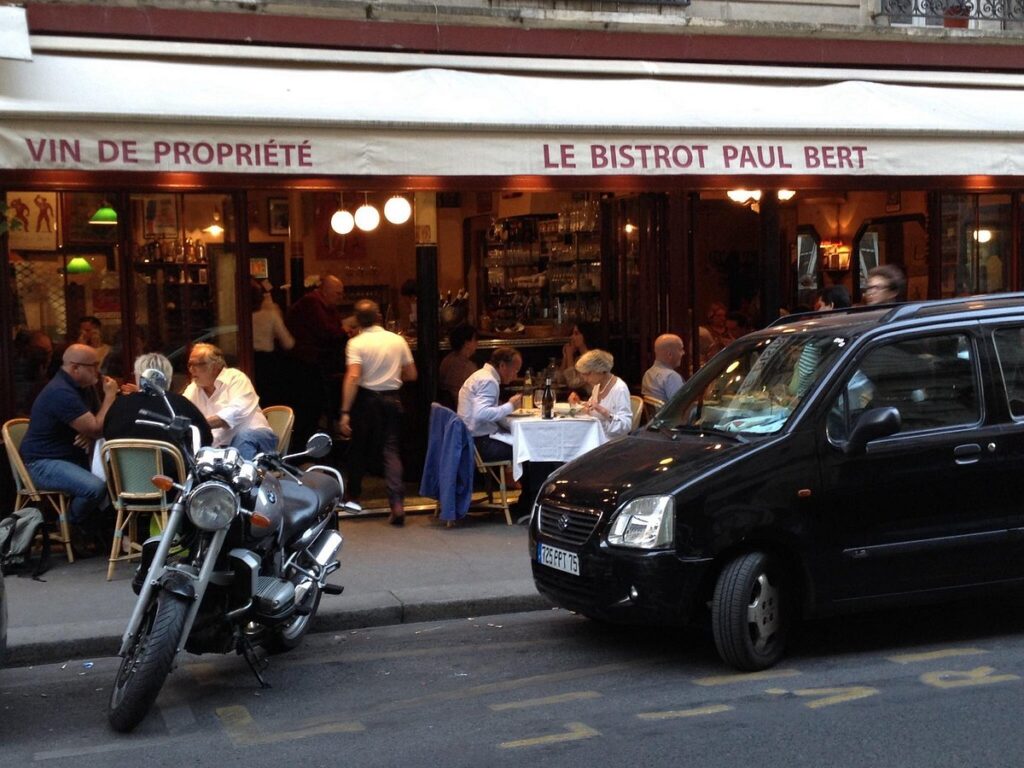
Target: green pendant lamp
x=105, y=216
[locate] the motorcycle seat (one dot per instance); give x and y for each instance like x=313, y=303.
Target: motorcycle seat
x=304, y=503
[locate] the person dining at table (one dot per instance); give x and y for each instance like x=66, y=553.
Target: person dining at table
x=609, y=396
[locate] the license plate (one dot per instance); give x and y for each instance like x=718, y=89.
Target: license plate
x=559, y=559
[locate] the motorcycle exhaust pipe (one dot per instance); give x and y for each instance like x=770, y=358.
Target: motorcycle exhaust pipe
x=326, y=547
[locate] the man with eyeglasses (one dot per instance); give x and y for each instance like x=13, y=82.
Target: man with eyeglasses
x=885, y=284
x=60, y=431
x=225, y=396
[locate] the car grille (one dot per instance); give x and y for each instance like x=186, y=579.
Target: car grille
x=568, y=524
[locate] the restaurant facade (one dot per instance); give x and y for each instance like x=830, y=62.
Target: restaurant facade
x=149, y=182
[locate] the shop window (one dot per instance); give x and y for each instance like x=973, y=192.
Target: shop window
x=183, y=256
x=976, y=244
x=64, y=282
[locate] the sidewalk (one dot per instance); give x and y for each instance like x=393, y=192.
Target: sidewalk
x=421, y=572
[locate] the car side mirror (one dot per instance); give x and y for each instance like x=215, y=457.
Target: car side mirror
x=873, y=424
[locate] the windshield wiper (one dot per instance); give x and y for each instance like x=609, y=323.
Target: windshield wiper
x=693, y=429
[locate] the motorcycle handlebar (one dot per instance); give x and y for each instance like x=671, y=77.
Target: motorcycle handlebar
x=162, y=421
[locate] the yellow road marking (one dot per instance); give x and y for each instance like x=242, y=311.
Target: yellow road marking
x=945, y=653
x=956, y=679
x=836, y=695
x=576, y=732
x=559, y=699
x=711, y=709
x=746, y=677
x=244, y=732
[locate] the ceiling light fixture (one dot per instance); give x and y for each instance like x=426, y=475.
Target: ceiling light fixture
x=397, y=210
x=215, y=228
x=342, y=221
x=105, y=216
x=79, y=265
x=367, y=217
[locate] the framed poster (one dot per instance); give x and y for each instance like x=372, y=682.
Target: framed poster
x=277, y=215
x=258, y=269
x=159, y=216
x=32, y=221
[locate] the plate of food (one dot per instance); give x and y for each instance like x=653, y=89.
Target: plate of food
x=521, y=412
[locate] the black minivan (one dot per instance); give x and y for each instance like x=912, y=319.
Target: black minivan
x=831, y=462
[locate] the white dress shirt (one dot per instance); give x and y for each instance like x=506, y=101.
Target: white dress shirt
x=478, y=402
x=234, y=400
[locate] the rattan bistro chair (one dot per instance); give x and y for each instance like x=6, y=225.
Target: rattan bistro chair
x=55, y=502
x=636, y=404
x=129, y=465
x=651, y=406
x=281, y=419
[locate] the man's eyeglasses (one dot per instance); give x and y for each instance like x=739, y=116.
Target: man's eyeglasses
x=877, y=288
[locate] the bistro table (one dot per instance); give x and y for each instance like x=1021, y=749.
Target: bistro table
x=556, y=440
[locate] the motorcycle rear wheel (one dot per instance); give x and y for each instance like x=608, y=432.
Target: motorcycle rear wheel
x=147, y=663
x=289, y=636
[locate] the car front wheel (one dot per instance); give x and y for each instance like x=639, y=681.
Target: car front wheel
x=749, y=614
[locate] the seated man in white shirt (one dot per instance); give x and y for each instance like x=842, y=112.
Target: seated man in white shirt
x=226, y=397
x=479, y=404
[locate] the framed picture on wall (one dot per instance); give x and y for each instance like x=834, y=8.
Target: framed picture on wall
x=258, y=269
x=277, y=215
x=159, y=216
x=32, y=221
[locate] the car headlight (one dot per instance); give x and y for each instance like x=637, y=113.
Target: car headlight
x=212, y=506
x=644, y=523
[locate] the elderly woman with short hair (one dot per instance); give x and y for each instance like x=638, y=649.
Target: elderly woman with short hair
x=609, y=396
x=120, y=420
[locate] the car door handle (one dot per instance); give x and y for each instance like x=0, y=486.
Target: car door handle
x=967, y=453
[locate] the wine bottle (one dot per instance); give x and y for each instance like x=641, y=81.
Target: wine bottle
x=548, y=400
x=528, y=390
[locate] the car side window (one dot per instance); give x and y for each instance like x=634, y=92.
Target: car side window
x=931, y=380
x=1010, y=352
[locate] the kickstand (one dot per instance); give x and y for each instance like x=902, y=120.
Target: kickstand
x=256, y=664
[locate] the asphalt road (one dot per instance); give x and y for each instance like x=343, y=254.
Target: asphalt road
x=933, y=687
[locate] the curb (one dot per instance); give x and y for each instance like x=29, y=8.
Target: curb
x=26, y=646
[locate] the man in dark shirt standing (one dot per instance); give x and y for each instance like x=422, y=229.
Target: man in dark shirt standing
x=59, y=416
x=320, y=336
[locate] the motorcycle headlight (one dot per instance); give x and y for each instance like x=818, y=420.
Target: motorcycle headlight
x=212, y=506
x=644, y=523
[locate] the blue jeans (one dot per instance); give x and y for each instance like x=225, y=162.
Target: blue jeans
x=88, y=493
x=249, y=442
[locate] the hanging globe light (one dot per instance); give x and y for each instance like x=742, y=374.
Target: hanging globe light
x=397, y=210
x=342, y=222
x=367, y=217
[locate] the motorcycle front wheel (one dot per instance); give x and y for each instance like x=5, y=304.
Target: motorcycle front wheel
x=148, y=662
x=289, y=636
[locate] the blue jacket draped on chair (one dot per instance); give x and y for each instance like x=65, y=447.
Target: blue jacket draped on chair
x=450, y=463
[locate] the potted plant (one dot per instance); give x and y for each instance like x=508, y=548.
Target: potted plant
x=957, y=15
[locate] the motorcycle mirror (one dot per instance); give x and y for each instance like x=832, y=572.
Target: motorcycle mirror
x=154, y=382
x=318, y=445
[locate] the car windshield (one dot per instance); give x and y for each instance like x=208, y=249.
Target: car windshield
x=753, y=387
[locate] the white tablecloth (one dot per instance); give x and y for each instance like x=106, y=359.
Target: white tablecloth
x=561, y=440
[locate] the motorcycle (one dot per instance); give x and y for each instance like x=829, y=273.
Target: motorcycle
x=241, y=565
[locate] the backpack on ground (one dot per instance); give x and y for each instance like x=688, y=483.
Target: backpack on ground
x=17, y=532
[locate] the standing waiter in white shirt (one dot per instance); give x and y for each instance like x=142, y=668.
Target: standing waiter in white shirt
x=378, y=362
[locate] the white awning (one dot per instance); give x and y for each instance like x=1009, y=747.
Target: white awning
x=101, y=111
